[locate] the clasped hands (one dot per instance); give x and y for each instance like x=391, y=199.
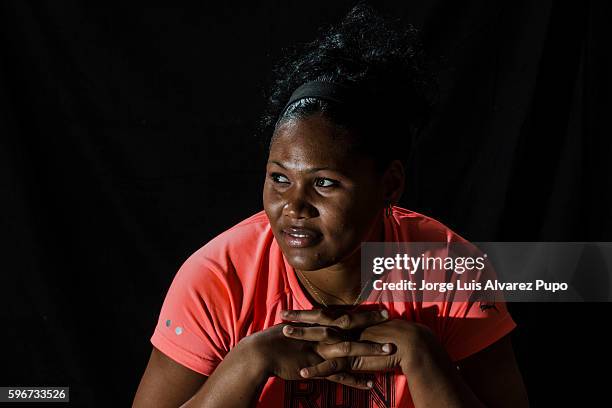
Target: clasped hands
x=319, y=344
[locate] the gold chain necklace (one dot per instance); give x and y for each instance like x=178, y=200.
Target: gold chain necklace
x=320, y=299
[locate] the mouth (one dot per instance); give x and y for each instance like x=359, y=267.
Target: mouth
x=300, y=237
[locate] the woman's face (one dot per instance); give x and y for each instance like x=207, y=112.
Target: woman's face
x=321, y=199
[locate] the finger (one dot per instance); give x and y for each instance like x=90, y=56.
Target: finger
x=325, y=368
x=351, y=380
x=324, y=334
x=346, y=321
x=372, y=363
x=316, y=316
x=352, y=348
x=360, y=320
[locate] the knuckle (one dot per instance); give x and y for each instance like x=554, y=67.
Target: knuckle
x=344, y=321
x=345, y=347
x=356, y=363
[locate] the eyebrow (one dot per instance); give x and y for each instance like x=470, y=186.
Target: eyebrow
x=313, y=170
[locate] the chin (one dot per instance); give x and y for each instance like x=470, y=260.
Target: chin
x=305, y=263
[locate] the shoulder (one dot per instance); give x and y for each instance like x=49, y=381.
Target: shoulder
x=230, y=259
x=211, y=296
x=252, y=233
x=463, y=327
x=239, y=243
x=416, y=227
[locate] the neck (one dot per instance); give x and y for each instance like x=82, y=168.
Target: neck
x=341, y=283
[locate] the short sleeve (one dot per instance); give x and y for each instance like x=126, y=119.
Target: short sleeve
x=462, y=323
x=472, y=326
x=195, y=326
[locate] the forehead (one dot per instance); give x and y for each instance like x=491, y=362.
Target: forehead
x=313, y=142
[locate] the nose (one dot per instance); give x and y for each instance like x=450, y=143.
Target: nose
x=297, y=204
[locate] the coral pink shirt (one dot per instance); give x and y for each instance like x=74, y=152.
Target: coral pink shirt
x=238, y=283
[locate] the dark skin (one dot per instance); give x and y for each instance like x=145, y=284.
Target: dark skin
x=342, y=201
x=314, y=181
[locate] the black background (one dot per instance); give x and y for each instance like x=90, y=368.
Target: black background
x=127, y=142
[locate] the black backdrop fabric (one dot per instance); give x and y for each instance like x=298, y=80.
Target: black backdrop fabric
x=127, y=142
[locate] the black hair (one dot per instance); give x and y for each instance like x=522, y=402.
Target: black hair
x=377, y=55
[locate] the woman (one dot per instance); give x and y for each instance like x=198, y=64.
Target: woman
x=272, y=312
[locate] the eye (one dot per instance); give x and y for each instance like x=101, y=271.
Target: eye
x=325, y=182
x=279, y=178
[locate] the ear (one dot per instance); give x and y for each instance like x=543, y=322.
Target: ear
x=393, y=182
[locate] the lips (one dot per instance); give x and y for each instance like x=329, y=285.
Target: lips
x=297, y=237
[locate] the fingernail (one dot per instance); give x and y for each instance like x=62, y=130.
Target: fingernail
x=284, y=313
x=370, y=384
x=304, y=372
x=384, y=314
x=386, y=348
x=289, y=329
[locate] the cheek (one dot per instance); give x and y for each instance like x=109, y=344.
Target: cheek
x=271, y=200
x=347, y=223
x=339, y=226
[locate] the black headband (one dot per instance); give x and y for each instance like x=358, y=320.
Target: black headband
x=329, y=91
